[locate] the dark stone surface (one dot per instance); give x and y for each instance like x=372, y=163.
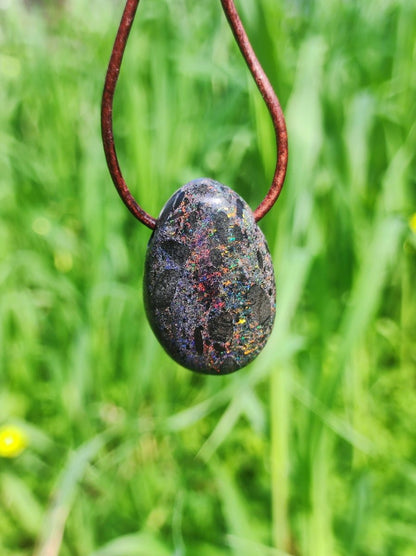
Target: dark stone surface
x=209, y=286
x=220, y=326
x=216, y=257
x=165, y=288
x=260, y=303
x=178, y=251
x=198, y=340
x=260, y=259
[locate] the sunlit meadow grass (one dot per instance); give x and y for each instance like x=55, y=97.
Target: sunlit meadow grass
x=309, y=451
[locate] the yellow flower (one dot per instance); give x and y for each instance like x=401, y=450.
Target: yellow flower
x=12, y=441
x=412, y=223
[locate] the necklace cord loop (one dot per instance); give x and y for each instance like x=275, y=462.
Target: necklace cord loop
x=262, y=83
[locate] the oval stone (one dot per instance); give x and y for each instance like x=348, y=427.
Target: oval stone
x=209, y=288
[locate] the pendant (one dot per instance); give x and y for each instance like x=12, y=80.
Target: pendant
x=209, y=287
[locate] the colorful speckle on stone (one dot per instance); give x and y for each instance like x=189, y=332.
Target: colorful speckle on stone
x=209, y=286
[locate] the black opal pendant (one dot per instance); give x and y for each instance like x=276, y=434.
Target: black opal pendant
x=209, y=287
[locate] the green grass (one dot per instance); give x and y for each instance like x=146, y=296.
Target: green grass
x=310, y=451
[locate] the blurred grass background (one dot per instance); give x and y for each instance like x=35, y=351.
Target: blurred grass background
x=311, y=450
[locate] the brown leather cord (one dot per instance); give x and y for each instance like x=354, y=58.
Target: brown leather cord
x=272, y=103
x=260, y=78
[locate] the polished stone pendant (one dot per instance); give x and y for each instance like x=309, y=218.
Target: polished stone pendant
x=209, y=287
